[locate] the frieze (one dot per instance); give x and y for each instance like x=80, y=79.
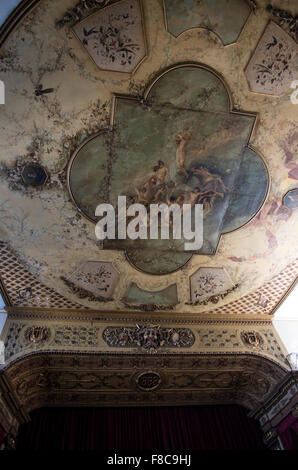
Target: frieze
x=148, y=338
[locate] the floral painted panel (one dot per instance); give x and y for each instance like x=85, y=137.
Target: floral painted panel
x=210, y=14
x=208, y=282
x=114, y=36
x=99, y=278
x=273, y=65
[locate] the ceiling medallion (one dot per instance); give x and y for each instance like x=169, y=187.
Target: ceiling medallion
x=148, y=381
x=181, y=143
x=34, y=175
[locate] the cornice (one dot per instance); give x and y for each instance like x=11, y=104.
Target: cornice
x=31, y=313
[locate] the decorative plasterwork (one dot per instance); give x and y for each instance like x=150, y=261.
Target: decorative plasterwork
x=148, y=380
x=114, y=36
x=209, y=285
x=28, y=176
x=148, y=338
x=81, y=380
x=208, y=14
x=203, y=337
x=285, y=19
x=37, y=335
x=279, y=404
x=81, y=10
x=252, y=339
x=273, y=65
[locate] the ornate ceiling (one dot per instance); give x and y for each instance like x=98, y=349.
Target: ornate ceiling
x=158, y=101
x=57, y=96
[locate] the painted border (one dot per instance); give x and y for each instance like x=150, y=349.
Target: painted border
x=18, y=14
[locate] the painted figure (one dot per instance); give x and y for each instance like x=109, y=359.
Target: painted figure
x=182, y=142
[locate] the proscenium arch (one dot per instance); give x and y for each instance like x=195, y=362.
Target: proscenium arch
x=37, y=366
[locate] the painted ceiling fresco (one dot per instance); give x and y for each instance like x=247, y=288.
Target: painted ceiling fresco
x=199, y=125
x=181, y=145
x=209, y=14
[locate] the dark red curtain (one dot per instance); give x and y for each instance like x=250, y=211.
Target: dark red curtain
x=160, y=428
x=288, y=432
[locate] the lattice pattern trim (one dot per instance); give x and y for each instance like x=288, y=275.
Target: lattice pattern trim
x=270, y=294
x=16, y=277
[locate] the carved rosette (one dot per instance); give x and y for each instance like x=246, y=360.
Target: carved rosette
x=252, y=339
x=36, y=335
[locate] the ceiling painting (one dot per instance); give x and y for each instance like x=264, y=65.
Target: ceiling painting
x=174, y=121
x=179, y=145
x=162, y=299
x=114, y=36
x=209, y=14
